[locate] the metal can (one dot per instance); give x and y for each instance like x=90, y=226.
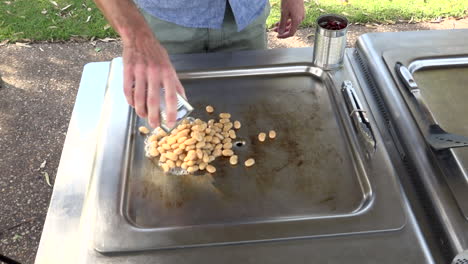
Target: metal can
x=183, y=111
x=330, y=41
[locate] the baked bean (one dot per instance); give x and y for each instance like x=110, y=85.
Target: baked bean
x=250, y=162
x=237, y=124
x=272, y=134
x=232, y=134
x=233, y=159
x=202, y=165
x=144, y=130
x=227, y=152
x=210, y=168
x=153, y=138
x=199, y=154
x=209, y=109
x=261, y=137
x=165, y=167
x=225, y=115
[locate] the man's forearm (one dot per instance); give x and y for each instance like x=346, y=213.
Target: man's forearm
x=126, y=19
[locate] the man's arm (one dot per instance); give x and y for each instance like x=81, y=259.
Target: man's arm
x=147, y=67
x=292, y=14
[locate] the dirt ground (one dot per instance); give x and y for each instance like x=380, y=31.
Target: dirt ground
x=38, y=85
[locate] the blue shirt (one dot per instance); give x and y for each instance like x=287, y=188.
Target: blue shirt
x=203, y=13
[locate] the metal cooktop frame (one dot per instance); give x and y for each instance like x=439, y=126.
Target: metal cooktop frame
x=114, y=233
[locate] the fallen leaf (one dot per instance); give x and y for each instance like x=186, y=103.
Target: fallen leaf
x=438, y=20
x=43, y=164
x=65, y=8
x=3, y=43
x=52, y=27
x=391, y=22
x=310, y=35
x=106, y=27
x=108, y=39
x=41, y=49
x=53, y=2
x=19, y=44
x=345, y=13
x=322, y=10
x=47, y=178
x=370, y=26
x=44, y=12
x=411, y=20
x=97, y=49
x=7, y=2
x=89, y=18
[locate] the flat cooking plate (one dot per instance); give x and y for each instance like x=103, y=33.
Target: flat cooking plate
x=443, y=84
x=309, y=181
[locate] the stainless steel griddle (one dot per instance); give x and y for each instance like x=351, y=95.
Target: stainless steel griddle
x=349, y=179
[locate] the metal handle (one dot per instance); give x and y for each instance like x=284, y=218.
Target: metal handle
x=359, y=116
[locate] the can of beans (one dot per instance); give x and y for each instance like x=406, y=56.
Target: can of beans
x=183, y=111
x=330, y=41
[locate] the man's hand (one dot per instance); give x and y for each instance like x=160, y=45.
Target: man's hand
x=292, y=14
x=147, y=68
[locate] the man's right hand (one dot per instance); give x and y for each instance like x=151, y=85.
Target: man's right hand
x=147, y=67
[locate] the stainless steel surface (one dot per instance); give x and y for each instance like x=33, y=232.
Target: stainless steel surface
x=437, y=63
x=433, y=172
x=329, y=45
x=359, y=116
x=437, y=137
x=73, y=232
x=312, y=175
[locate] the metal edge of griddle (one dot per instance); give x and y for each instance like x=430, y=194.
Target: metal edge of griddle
x=432, y=202
x=114, y=231
x=386, y=128
x=416, y=199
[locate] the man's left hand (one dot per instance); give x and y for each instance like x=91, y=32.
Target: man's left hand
x=292, y=14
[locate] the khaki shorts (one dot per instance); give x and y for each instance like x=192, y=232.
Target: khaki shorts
x=179, y=39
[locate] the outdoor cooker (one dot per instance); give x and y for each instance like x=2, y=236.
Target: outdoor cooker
x=350, y=178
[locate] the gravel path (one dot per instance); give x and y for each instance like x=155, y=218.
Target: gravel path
x=37, y=91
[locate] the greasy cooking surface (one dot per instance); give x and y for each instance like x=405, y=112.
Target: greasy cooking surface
x=306, y=171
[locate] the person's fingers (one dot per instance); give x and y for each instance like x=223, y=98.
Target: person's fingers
x=283, y=22
x=140, y=92
x=152, y=101
x=295, y=21
x=169, y=85
x=129, y=83
x=288, y=25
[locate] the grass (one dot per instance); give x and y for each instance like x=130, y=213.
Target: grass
x=59, y=20
x=48, y=20
x=379, y=11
